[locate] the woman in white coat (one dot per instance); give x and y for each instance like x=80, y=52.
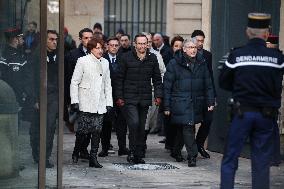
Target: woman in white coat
x=91, y=96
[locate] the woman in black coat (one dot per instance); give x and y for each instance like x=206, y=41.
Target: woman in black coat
x=187, y=87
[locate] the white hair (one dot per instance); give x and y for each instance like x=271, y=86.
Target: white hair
x=190, y=40
x=257, y=32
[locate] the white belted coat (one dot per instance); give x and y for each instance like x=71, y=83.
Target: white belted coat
x=91, y=85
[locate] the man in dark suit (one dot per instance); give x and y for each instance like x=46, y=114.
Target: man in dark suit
x=208, y=115
x=113, y=117
x=164, y=50
x=85, y=35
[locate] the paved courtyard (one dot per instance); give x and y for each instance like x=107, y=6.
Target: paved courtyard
x=117, y=174
x=205, y=175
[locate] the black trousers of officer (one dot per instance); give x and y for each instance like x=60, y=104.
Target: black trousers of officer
x=135, y=115
x=52, y=115
x=117, y=121
x=204, y=128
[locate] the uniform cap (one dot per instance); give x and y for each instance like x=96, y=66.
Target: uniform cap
x=12, y=32
x=259, y=20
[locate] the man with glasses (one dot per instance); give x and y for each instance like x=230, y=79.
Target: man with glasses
x=203, y=130
x=114, y=117
x=133, y=92
x=85, y=35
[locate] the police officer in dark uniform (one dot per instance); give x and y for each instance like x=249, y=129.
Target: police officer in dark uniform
x=14, y=68
x=254, y=75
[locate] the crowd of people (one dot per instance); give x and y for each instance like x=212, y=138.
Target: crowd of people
x=113, y=83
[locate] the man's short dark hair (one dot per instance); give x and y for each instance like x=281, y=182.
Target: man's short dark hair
x=52, y=32
x=94, y=42
x=83, y=31
x=33, y=23
x=140, y=35
x=126, y=35
x=98, y=26
x=197, y=33
x=112, y=38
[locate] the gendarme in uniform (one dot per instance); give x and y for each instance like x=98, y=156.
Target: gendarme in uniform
x=254, y=75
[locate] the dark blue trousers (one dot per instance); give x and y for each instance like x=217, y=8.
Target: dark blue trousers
x=259, y=129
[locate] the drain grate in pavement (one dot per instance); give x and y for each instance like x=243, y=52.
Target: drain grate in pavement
x=147, y=166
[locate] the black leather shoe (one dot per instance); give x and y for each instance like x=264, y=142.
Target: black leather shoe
x=48, y=164
x=138, y=160
x=123, y=151
x=178, y=157
x=203, y=152
x=130, y=158
x=75, y=158
x=103, y=153
x=163, y=141
x=192, y=162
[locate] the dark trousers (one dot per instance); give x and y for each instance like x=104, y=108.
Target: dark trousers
x=185, y=135
x=171, y=132
x=276, y=156
x=117, y=121
x=260, y=131
x=135, y=116
x=204, y=129
x=52, y=115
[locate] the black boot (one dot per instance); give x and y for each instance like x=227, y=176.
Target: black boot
x=78, y=144
x=191, y=161
x=95, y=140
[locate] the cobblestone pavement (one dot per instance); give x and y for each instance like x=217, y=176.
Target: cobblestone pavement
x=205, y=175
x=114, y=174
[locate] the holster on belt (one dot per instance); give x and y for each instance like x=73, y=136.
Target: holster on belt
x=268, y=112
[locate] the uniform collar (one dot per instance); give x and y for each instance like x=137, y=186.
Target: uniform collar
x=257, y=41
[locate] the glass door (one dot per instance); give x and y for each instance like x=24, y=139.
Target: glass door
x=31, y=93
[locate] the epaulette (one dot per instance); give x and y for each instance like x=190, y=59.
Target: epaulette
x=234, y=48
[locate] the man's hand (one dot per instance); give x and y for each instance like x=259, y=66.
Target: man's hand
x=119, y=102
x=167, y=113
x=210, y=108
x=36, y=106
x=75, y=107
x=158, y=101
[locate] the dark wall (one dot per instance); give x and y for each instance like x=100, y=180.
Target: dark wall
x=229, y=20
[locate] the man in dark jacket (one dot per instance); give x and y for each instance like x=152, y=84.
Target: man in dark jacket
x=114, y=117
x=125, y=44
x=164, y=49
x=52, y=99
x=133, y=92
x=85, y=35
x=203, y=130
x=187, y=87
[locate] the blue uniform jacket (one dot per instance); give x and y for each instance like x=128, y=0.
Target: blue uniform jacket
x=254, y=74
